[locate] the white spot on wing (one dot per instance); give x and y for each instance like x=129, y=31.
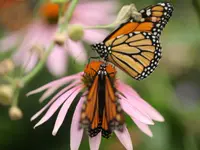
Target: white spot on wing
x=148, y=12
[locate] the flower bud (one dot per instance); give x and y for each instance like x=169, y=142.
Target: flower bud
x=6, y=66
x=126, y=12
x=6, y=94
x=75, y=32
x=15, y=113
x=60, y=38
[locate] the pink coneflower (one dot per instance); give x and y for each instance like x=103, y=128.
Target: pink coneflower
x=42, y=30
x=109, y=97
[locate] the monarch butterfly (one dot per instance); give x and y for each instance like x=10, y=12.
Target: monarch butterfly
x=134, y=46
x=101, y=112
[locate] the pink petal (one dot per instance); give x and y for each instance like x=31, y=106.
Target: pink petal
x=92, y=18
x=26, y=59
x=30, y=62
x=95, y=36
x=76, y=133
x=125, y=138
x=134, y=113
x=64, y=109
x=53, y=99
x=143, y=127
x=138, y=102
x=48, y=93
x=76, y=50
x=94, y=14
x=61, y=81
x=108, y=6
x=56, y=105
x=31, y=38
x=57, y=61
x=95, y=142
x=49, y=31
x=34, y=36
x=38, y=33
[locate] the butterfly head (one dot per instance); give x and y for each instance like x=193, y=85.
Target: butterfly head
x=102, y=70
x=101, y=49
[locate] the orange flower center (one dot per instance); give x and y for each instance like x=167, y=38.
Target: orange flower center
x=50, y=12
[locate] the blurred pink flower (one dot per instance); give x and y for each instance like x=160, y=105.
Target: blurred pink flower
x=41, y=33
x=139, y=110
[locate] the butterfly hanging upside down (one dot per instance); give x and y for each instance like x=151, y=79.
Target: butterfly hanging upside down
x=101, y=112
x=134, y=47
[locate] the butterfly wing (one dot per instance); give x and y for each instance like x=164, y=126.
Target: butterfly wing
x=136, y=53
x=155, y=18
x=158, y=14
x=90, y=110
x=101, y=111
x=112, y=115
x=134, y=46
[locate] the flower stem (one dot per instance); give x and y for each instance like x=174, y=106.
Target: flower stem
x=69, y=14
x=15, y=98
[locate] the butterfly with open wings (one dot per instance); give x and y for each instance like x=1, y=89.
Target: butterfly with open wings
x=134, y=47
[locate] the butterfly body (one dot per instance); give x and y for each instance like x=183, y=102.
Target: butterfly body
x=134, y=47
x=101, y=111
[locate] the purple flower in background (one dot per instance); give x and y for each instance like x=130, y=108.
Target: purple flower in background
x=42, y=30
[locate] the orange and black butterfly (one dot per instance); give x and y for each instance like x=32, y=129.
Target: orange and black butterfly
x=134, y=47
x=101, y=111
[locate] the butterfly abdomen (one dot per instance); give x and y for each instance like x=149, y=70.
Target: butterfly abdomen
x=101, y=95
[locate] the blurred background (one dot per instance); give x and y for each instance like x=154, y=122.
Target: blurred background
x=173, y=89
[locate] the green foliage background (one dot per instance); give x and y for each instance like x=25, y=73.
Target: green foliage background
x=164, y=90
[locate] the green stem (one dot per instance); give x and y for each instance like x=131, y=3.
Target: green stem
x=15, y=98
x=69, y=14
x=16, y=92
